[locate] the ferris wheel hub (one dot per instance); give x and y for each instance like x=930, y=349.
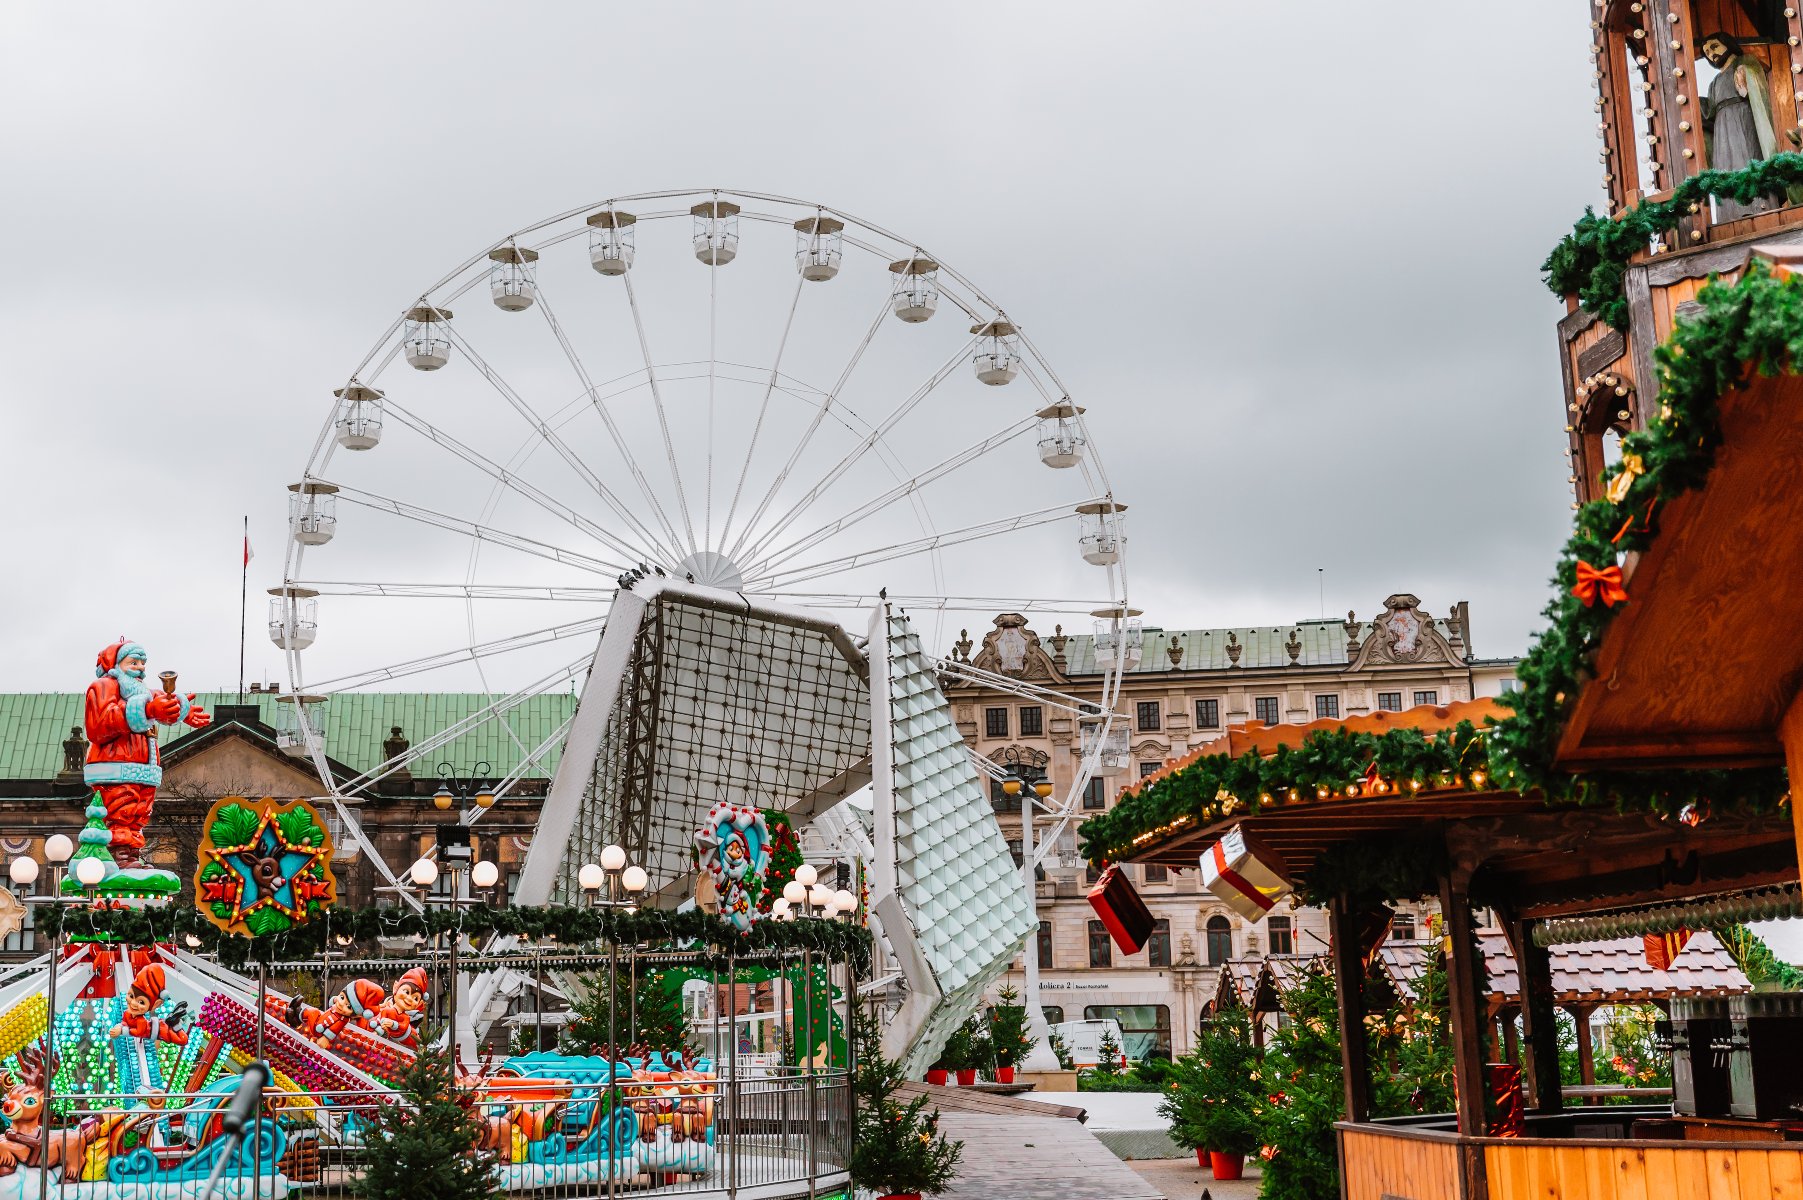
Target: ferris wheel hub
x=709, y=568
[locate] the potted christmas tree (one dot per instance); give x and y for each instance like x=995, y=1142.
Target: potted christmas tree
x=960, y=1052
x=426, y=1147
x=1008, y=1034
x=1211, y=1103
x=899, y=1153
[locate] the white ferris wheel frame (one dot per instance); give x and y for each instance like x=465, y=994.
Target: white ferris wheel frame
x=660, y=531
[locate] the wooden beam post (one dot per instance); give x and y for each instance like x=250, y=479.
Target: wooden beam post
x=1465, y=988
x=1586, y=1060
x=1539, y=1022
x=1790, y=733
x=1349, y=989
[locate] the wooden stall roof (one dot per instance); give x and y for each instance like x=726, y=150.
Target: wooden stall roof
x=1237, y=985
x=1612, y=972
x=1695, y=671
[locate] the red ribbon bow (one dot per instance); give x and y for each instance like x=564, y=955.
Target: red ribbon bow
x=1599, y=583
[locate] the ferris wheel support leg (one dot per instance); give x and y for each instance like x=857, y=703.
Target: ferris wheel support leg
x=587, y=728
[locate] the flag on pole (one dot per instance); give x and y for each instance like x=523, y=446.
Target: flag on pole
x=248, y=555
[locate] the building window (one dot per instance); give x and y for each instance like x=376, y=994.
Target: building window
x=1208, y=714
x=1147, y=712
x=1095, y=794
x=1156, y=874
x=1389, y=701
x=1001, y=801
x=1402, y=927
x=1032, y=720
x=1045, y=947
x=995, y=722
x=1427, y=698
x=1506, y=684
x=1265, y=709
x=1145, y=1028
x=1015, y=848
x=1158, y=946
x=1327, y=706
x=1101, y=950
x=1146, y=768
x=1282, y=936
x=1220, y=940
x=1091, y=876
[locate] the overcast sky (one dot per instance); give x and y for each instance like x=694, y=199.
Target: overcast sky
x=1287, y=257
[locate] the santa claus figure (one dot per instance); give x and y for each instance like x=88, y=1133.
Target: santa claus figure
x=146, y=993
x=397, y=1016
x=123, y=767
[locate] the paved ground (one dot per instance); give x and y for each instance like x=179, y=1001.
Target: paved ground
x=1040, y=1158
x=1182, y=1179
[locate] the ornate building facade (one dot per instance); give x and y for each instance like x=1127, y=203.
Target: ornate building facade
x=1181, y=690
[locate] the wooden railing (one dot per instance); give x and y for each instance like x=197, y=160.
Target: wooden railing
x=1380, y=1162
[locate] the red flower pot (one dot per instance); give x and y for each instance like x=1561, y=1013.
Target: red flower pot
x=1201, y=1156
x=1004, y=1074
x=1226, y=1166
x=967, y=1078
x=936, y=1077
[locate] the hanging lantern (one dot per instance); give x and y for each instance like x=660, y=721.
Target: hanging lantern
x=424, y=338
x=610, y=241
x=513, y=281
x=359, y=422
x=916, y=292
x=819, y=244
x=1061, y=442
x=312, y=512
x=1101, y=539
x=716, y=231
x=293, y=617
x=998, y=351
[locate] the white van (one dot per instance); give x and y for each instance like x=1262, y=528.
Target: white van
x=1083, y=1039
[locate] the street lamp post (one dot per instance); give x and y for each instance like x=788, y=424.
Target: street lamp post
x=613, y=876
x=24, y=871
x=457, y=854
x=1040, y=1057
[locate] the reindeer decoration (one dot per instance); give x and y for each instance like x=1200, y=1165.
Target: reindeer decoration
x=26, y=1141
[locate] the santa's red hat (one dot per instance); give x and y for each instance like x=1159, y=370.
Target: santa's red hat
x=149, y=983
x=364, y=997
x=415, y=979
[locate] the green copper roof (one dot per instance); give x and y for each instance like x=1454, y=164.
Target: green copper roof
x=34, y=724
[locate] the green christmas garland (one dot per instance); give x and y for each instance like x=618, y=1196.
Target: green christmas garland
x=1755, y=324
x=571, y=928
x=1592, y=260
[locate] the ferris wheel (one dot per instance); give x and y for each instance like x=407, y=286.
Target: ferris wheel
x=748, y=392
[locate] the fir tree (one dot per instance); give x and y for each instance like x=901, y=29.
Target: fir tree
x=899, y=1147
x=661, y=1024
x=426, y=1145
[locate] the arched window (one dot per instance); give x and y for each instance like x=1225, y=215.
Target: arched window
x=1220, y=940
x=1101, y=949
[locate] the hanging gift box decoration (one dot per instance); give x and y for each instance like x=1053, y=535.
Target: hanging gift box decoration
x=1128, y=919
x=1247, y=877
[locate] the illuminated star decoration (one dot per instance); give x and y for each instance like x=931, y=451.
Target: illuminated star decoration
x=270, y=871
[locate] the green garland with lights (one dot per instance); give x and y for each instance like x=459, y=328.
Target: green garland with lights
x=1754, y=324
x=1592, y=260
x=572, y=929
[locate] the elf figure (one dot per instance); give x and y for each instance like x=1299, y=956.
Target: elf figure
x=357, y=1005
x=121, y=716
x=146, y=993
x=396, y=1018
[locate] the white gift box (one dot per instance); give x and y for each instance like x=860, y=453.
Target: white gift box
x=1245, y=876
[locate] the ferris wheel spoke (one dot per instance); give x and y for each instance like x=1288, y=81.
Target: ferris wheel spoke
x=826, y=404
x=663, y=417
x=982, y=604
x=529, y=759
x=651, y=549
x=460, y=654
x=778, y=580
x=763, y=409
x=540, y=426
x=496, y=709
x=457, y=591
x=873, y=438
x=486, y=533
x=902, y=490
x=599, y=402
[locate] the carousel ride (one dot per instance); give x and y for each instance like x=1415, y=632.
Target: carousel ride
x=707, y=478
